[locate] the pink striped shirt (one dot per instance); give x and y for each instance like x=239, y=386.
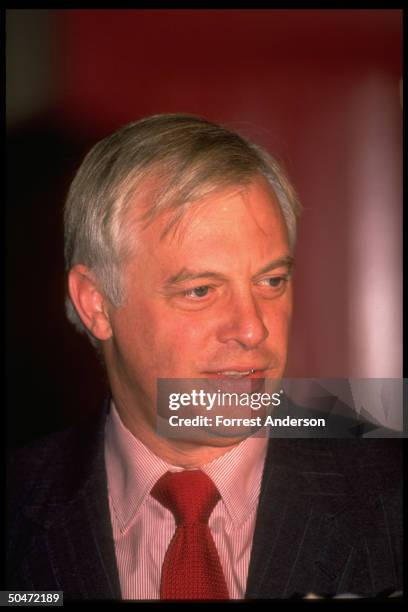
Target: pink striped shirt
x=143, y=528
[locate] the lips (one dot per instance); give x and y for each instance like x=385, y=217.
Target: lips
x=237, y=373
x=237, y=379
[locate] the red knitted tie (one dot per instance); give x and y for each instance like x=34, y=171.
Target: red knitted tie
x=191, y=567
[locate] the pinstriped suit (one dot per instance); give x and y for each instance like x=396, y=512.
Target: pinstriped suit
x=329, y=518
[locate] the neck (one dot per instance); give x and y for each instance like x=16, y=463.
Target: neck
x=182, y=453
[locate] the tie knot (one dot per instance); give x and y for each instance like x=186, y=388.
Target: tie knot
x=190, y=495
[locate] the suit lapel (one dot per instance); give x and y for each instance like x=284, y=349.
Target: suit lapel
x=297, y=547
x=71, y=539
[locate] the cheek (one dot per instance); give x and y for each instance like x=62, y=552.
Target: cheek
x=185, y=333
x=159, y=338
x=277, y=318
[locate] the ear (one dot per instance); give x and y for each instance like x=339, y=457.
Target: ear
x=89, y=302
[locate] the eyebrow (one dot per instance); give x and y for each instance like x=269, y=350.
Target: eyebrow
x=287, y=261
x=186, y=274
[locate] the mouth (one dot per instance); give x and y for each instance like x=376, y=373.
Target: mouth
x=237, y=373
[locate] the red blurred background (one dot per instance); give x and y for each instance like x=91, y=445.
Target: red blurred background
x=320, y=89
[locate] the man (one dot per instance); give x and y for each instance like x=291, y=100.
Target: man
x=179, y=251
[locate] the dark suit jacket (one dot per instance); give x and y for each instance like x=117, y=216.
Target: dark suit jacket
x=329, y=518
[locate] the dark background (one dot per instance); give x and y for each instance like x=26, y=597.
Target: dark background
x=320, y=89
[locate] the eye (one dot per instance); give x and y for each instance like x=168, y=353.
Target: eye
x=274, y=283
x=197, y=292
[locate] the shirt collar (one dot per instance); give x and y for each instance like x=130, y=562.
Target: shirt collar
x=238, y=474
x=133, y=469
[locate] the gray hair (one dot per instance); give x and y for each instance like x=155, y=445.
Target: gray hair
x=187, y=157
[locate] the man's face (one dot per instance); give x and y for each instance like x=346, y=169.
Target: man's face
x=213, y=298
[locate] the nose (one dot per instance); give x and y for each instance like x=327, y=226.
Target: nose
x=242, y=322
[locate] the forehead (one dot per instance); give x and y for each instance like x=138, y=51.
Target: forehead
x=237, y=212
